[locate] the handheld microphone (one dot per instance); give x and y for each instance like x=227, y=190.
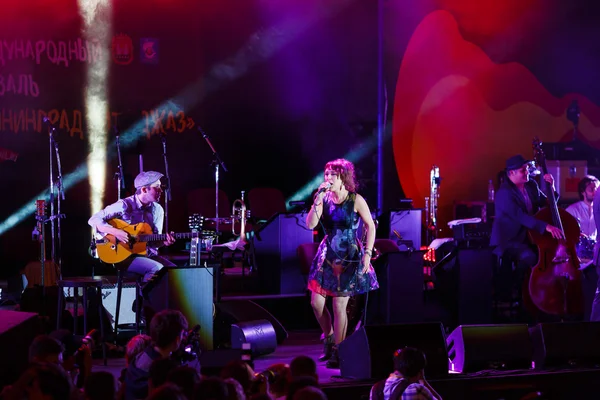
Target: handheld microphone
x=324, y=188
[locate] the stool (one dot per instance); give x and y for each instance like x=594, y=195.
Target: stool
x=138, y=289
x=505, y=282
x=85, y=284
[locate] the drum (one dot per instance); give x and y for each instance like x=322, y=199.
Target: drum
x=585, y=250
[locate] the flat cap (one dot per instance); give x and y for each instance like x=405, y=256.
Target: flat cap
x=146, y=178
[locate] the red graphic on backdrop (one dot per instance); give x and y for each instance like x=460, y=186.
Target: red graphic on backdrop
x=122, y=49
x=457, y=109
x=9, y=155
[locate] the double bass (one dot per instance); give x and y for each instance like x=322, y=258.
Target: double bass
x=555, y=282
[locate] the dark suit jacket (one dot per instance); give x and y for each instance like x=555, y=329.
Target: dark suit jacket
x=512, y=221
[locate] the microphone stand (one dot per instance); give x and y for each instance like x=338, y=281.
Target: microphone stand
x=51, y=131
x=216, y=162
x=119, y=174
x=58, y=216
x=163, y=138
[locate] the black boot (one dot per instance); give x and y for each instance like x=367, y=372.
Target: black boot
x=327, y=348
x=334, y=361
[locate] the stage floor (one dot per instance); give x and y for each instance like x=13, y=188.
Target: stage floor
x=298, y=343
x=301, y=343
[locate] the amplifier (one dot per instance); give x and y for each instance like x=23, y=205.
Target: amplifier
x=404, y=227
x=567, y=175
x=474, y=209
x=465, y=232
x=276, y=244
x=109, y=301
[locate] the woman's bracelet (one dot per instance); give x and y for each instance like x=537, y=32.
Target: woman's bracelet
x=369, y=252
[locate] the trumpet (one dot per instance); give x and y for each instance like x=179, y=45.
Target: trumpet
x=239, y=213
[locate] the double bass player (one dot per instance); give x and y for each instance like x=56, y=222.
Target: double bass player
x=516, y=202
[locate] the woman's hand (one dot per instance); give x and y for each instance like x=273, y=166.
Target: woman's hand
x=321, y=192
x=366, y=262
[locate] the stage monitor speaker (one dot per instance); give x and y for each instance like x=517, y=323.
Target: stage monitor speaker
x=234, y=311
x=260, y=334
x=189, y=290
x=473, y=348
x=275, y=246
x=400, y=277
x=368, y=352
x=17, y=331
x=475, y=284
x=566, y=344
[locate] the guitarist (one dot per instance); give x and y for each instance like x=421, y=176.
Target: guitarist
x=143, y=206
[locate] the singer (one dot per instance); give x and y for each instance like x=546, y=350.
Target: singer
x=341, y=267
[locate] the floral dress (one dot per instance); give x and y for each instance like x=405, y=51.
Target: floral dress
x=336, y=269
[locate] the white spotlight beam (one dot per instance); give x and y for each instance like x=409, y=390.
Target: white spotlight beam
x=97, y=19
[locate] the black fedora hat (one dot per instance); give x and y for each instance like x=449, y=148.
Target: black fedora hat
x=516, y=162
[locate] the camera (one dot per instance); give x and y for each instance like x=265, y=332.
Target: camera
x=189, y=350
x=266, y=377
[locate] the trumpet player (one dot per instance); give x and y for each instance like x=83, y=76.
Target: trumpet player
x=342, y=267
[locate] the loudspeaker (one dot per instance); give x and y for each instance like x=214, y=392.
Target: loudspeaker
x=475, y=285
x=260, y=334
x=17, y=331
x=109, y=301
x=400, y=277
x=473, y=348
x=569, y=344
x=233, y=311
x=275, y=248
x=368, y=352
x=189, y=290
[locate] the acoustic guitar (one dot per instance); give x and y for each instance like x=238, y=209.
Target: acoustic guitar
x=112, y=251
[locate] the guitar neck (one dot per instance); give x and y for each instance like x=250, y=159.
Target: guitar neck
x=162, y=237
